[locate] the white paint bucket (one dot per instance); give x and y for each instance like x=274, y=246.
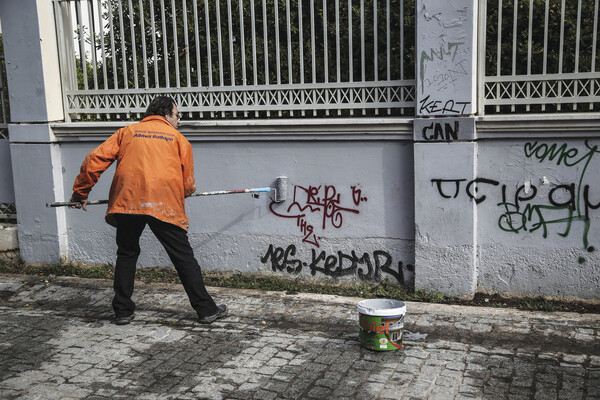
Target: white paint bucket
x=381, y=323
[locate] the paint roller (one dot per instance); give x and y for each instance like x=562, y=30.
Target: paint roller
x=278, y=194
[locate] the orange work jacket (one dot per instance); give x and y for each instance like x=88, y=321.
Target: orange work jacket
x=155, y=171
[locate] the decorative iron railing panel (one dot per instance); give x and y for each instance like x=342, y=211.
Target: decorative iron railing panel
x=539, y=56
x=299, y=99
x=237, y=58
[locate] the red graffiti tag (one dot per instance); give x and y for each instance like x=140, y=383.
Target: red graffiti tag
x=318, y=199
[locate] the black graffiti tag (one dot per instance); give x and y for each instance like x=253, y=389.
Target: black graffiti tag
x=366, y=266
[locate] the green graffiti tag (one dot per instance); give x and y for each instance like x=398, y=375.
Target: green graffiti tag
x=577, y=204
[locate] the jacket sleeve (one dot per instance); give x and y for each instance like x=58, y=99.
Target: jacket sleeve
x=95, y=163
x=187, y=166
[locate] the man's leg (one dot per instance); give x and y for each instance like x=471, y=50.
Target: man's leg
x=129, y=230
x=176, y=243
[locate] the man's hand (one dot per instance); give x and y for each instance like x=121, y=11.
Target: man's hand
x=83, y=202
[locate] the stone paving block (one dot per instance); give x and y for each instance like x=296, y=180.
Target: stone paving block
x=165, y=354
x=464, y=396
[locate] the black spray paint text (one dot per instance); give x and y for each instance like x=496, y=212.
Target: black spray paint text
x=368, y=266
x=564, y=204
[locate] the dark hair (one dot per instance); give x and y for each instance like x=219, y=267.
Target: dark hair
x=160, y=105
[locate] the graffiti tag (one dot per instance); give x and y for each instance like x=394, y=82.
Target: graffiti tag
x=324, y=201
x=368, y=266
x=565, y=203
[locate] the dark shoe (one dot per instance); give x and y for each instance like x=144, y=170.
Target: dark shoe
x=124, y=320
x=221, y=312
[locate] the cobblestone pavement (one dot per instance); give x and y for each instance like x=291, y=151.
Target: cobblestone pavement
x=57, y=341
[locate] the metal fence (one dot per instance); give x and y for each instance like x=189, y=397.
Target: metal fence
x=295, y=58
x=237, y=58
x=539, y=56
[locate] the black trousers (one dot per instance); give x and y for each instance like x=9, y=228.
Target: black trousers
x=175, y=241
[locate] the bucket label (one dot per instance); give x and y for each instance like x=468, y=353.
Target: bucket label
x=381, y=333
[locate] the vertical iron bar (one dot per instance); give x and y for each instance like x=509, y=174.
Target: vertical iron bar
x=112, y=47
x=289, y=52
x=277, y=54
x=481, y=57
x=198, y=58
x=143, y=34
x=577, y=39
x=577, y=36
x=514, y=52
x=529, y=40
x=123, y=48
x=220, y=51
x=165, y=47
x=337, y=53
x=325, y=55
x=389, y=48
x=545, y=60
x=154, y=50
x=560, y=55
x=301, y=40
x=254, y=38
x=277, y=44
x=254, y=64
x=231, y=39
x=594, y=42
x=375, y=48
x=375, y=45
x=289, y=41
x=197, y=41
x=243, y=50
x=362, y=51
x=350, y=56
x=220, y=43
x=208, y=48
x=231, y=63
x=134, y=53
x=401, y=39
x=325, y=44
x=81, y=39
x=266, y=51
x=242, y=42
x=175, y=44
x=265, y=41
x=312, y=41
x=186, y=42
x=209, y=68
x=499, y=52
x=91, y=19
x=103, y=52
x=313, y=52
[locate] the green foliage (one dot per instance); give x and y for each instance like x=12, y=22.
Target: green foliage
x=532, y=52
x=136, y=45
x=138, y=48
x=66, y=269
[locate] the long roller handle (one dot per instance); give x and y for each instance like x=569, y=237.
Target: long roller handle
x=218, y=192
x=213, y=193
x=74, y=203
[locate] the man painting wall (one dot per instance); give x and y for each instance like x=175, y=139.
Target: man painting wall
x=154, y=175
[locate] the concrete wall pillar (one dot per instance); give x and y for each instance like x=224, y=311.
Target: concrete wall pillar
x=35, y=100
x=445, y=151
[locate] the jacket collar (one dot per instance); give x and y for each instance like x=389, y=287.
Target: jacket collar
x=158, y=118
